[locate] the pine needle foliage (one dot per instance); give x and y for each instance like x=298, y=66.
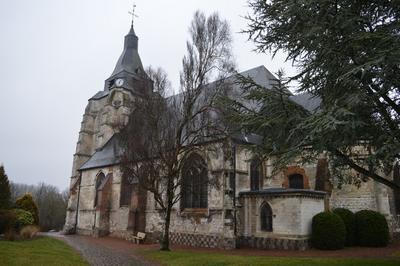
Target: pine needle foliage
x=347, y=54
x=5, y=194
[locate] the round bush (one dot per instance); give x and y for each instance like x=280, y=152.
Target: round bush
x=23, y=218
x=371, y=229
x=7, y=221
x=349, y=220
x=27, y=203
x=328, y=231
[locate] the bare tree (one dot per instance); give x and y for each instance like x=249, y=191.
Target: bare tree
x=52, y=205
x=17, y=190
x=50, y=201
x=162, y=131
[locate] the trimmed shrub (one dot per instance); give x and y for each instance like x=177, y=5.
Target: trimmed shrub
x=349, y=220
x=27, y=203
x=371, y=229
x=7, y=220
x=29, y=231
x=23, y=218
x=328, y=231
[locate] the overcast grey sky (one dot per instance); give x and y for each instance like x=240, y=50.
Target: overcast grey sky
x=55, y=55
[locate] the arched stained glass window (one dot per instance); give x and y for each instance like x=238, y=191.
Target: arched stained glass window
x=195, y=182
x=266, y=217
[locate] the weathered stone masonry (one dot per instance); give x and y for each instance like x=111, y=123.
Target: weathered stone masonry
x=246, y=205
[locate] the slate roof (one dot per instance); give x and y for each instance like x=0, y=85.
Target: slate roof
x=110, y=153
x=308, y=101
x=107, y=155
x=100, y=95
x=129, y=60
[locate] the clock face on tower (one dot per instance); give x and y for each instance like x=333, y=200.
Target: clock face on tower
x=119, y=82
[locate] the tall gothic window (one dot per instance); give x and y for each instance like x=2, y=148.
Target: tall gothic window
x=255, y=174
x=195, y=182
x=266, y=217
x=296, y=181
x=99, y=180
x=127, y=185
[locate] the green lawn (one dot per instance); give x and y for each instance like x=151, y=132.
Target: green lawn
x=181, y=258
x=39, y=251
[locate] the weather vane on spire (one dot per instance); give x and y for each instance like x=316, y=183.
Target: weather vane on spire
x=132, y=13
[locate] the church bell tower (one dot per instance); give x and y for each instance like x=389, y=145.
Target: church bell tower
x=106, y=113
x=128, y=72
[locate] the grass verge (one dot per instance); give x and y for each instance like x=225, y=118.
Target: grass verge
x=182, y=258
x=38, y=251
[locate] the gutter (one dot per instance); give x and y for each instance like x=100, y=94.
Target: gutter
x=234, y=188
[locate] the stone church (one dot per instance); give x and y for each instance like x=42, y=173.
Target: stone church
x=251, y=207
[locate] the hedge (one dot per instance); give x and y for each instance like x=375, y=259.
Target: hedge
x=328, y=231
x=349, y=220
x=371, y=229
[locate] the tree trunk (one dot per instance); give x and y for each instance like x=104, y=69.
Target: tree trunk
x=165, y=238
x=170, y=196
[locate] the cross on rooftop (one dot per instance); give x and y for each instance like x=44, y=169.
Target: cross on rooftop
x=132, y=13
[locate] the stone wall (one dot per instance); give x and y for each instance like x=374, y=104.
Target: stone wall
x=203, y=240
x=209, y=226
x=213, y=226
x=370, y=195
x=103, y=117
x=292, y=213
x=275, y=243
x=269, y=180
x=88, y=216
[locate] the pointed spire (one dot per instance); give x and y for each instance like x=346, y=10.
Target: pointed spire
x=129, y=61
x=129, y=66
x=131, y=40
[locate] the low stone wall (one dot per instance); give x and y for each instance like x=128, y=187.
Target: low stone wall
x=275, y=243
x=200, y=240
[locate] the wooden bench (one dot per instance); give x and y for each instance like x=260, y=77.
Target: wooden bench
x=139, y=236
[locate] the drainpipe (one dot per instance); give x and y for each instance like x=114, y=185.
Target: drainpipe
x=234, y=187
x=77, y=203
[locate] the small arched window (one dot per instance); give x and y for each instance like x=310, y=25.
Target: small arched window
x=99, y=180
x=296, y=181
x=195, y=182
x=266, y=217
x=255, y=174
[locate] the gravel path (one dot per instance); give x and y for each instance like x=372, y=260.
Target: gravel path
x=105, y=251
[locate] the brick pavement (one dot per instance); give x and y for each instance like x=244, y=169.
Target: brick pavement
x=105, y=251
